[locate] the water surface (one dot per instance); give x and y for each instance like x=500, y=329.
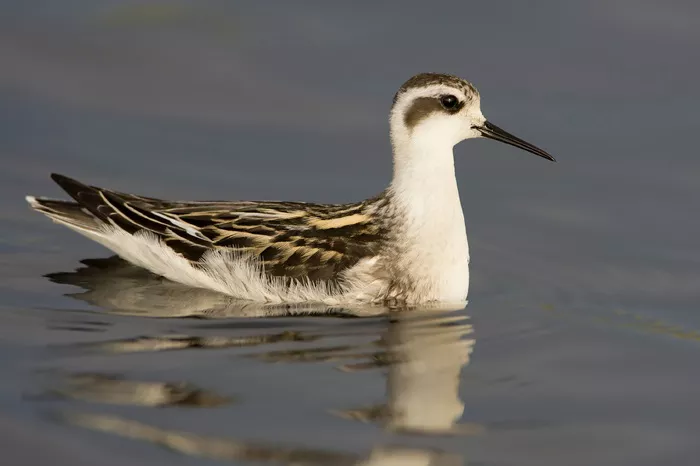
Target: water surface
x=580, y=341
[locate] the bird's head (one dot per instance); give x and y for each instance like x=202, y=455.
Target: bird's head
x=439, y=109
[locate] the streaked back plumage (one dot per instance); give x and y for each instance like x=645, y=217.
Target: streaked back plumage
x=291, y=239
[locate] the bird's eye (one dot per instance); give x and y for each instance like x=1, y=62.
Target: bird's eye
x=450, y=102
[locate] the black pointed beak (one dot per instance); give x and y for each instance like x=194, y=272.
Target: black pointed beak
x=491, y=131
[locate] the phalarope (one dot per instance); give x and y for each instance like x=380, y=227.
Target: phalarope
x=408, y=245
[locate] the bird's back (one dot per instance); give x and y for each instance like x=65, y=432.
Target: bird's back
x=294, y=240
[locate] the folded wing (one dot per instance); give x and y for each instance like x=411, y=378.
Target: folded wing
x=292, y=239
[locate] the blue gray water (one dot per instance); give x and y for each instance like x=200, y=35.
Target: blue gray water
x=581, y=338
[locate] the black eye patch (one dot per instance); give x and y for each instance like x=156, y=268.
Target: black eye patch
x=422, y=107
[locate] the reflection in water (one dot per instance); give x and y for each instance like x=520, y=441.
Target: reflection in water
x=423, y=353
x=237, y=450
x=183, y=342
x=423, y=383
x=112, y=389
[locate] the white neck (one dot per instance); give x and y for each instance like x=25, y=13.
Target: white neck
x=424, y=189
x=423, y=169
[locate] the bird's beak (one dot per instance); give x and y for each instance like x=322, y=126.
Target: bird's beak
x=491, y=131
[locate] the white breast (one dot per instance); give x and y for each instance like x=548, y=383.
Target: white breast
x=431, y=255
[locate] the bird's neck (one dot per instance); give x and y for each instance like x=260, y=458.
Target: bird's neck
x=431, y=244
x=424, y=182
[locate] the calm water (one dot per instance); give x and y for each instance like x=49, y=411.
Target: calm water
x=581, y=340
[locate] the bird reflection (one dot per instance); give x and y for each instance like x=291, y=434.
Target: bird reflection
x=228, y=449
x=154, y=343
x=422, y=352
x=425, y=356
x=116, y=389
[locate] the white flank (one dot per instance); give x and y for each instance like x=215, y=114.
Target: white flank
x=233, y=274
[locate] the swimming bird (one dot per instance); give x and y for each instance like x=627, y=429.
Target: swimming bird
x=405, y=246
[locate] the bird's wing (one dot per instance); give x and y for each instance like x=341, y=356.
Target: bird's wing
x=292, y=239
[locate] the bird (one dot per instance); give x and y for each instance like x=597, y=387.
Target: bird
x=406, y=246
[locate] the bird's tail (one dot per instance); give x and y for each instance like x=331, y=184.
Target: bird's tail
x=68, y=213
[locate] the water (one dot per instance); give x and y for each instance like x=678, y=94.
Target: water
x=580, y=341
